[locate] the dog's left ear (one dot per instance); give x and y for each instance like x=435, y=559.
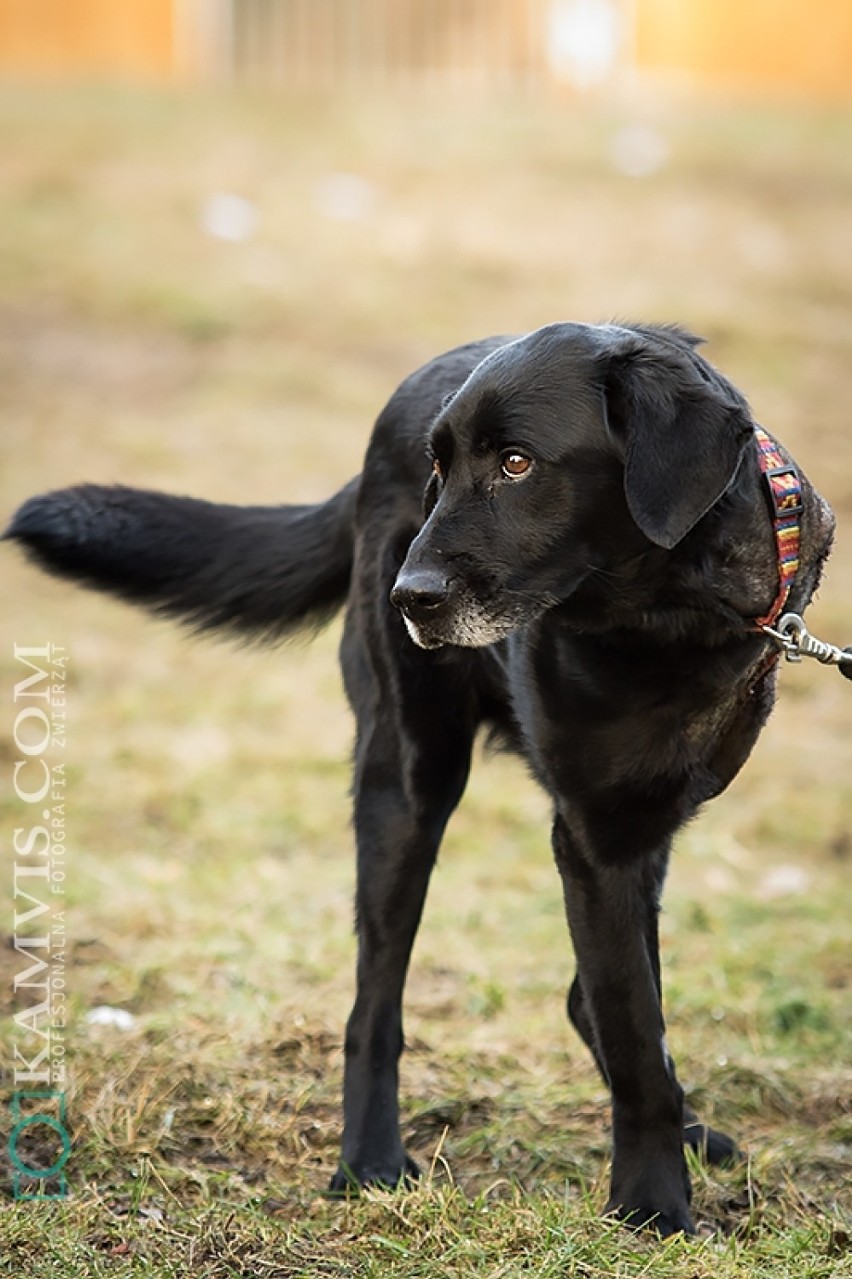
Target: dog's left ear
x=681, y=430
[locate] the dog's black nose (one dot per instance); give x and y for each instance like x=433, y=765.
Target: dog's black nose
x=418, y=592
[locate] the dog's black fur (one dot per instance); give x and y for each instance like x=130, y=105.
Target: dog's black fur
x=584, y=578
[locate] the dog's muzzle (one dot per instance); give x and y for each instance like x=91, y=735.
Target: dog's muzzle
x=440, y=610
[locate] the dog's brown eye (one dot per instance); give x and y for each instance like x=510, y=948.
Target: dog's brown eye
x=514, y=465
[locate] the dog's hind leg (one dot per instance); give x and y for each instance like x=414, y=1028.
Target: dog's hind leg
x=406, y=787
x=709, y=1144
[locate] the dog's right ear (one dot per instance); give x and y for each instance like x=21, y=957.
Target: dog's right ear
x=680, y=430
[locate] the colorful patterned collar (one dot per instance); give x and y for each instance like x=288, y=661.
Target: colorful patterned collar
x=785, y=495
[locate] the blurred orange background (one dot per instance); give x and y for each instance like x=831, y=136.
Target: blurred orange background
x=758, y=45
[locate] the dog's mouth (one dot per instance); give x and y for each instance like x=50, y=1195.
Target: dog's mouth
x=463, y=621
x=468, y=631
x=420, y=634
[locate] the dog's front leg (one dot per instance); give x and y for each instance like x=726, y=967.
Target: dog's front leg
x=612, y=915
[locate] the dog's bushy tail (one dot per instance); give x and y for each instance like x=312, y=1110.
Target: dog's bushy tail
x=257, y=570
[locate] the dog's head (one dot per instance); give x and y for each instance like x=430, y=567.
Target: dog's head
x=563, y=454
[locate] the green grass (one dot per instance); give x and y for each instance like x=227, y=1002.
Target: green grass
x=209, y=867
x=436, y=1231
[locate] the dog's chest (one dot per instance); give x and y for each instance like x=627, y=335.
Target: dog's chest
x=593, y=722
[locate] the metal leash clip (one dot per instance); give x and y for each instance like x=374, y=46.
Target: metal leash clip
x=797, y=642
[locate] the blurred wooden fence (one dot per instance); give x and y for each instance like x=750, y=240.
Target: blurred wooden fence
x=381, y=41
x=777, y=44
x=305, y=42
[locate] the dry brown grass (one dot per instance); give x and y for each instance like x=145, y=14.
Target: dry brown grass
x=210, y=877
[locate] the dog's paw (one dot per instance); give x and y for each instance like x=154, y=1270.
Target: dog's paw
x=350, y=1178
x=714, y=1148
x=653, y=1194
x=675, y=1219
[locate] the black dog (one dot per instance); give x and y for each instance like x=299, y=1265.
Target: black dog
x=583, y=576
